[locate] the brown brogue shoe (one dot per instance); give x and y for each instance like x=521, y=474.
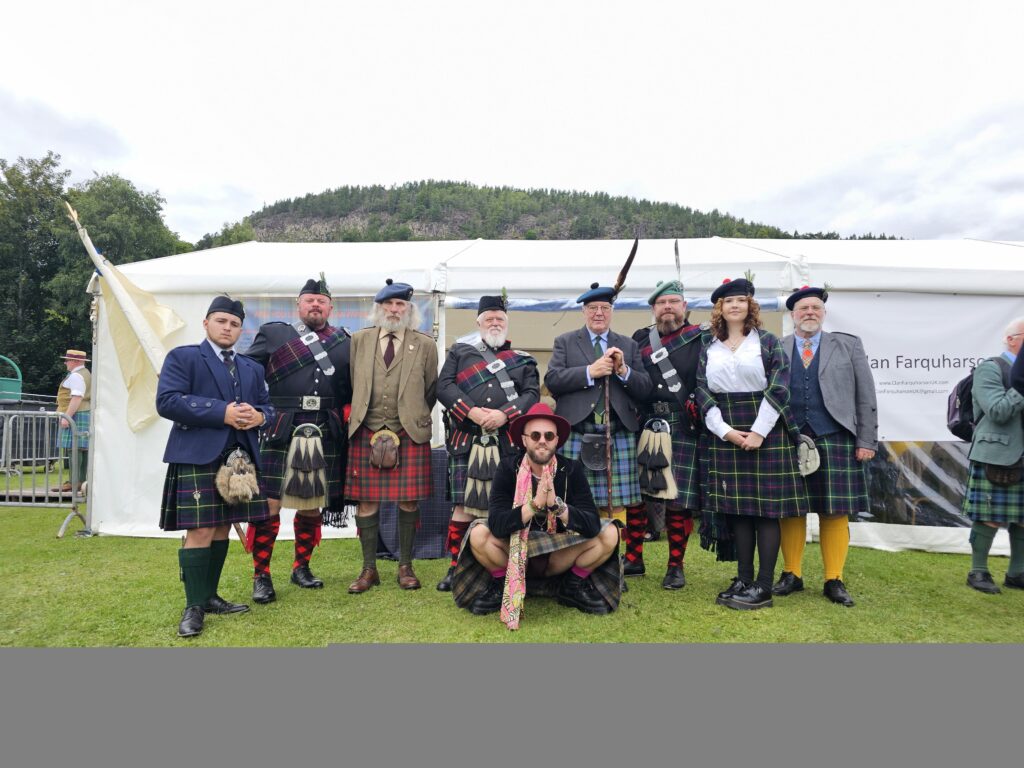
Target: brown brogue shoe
x=407, y=577
x=368, y=577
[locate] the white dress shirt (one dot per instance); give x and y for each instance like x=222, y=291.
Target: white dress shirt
x=739, y=371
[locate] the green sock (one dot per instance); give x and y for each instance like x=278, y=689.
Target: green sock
x=981, y=542
x=406, y=534
x=1016, y=566
x=195, y=571
x=368, y=527
x=218, y=554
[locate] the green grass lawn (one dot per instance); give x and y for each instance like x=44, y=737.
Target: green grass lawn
x=111, y=591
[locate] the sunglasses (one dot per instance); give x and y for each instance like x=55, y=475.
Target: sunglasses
x=549, y=437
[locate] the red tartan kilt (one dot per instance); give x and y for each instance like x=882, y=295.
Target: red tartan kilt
x=409, y=481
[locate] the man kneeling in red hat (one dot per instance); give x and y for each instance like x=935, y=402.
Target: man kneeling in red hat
x=542, y=531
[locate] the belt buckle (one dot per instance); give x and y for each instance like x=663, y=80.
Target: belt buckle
x=310, y=403
x=496, y=366
x=661, y=408
x=658, y=355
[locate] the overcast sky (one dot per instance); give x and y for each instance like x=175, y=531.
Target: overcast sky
x=906, y=118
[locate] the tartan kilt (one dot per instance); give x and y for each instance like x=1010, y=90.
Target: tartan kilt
x=191, y=500
x=458, y=476
x=409, y=481
x=761, y=483
x=839, y=487
x=273, y=459
x=985, y=502
x=471, y=579
x=685, y=462
x=625, y=472
x=83, y=421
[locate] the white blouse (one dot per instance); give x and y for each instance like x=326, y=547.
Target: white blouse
x=739, y=371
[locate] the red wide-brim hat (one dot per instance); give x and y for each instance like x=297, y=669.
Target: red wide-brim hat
x=538, y=411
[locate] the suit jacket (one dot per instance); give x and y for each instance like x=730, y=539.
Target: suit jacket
x=417, y=384
x=847, y=386
x=566, y=378
x=998, y=425
x=194, y=391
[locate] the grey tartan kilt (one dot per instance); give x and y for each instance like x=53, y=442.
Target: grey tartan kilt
x=625, y=472
x=985, y=502
x=191, y=500
x=471, y=579
x=839, y=487
x=761, y=483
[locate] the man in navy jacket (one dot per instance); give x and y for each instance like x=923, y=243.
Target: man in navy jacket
x=217, y=400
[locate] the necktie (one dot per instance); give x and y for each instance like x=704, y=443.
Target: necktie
x=807, y=355
x=599, y=408
x=389, y=352
x=229, y=361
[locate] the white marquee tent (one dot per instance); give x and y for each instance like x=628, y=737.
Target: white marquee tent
x=951, y=297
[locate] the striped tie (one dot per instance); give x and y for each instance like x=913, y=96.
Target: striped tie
x=807, y=355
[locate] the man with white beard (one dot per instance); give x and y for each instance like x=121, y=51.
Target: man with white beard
x=394, y=388
x=483, y=385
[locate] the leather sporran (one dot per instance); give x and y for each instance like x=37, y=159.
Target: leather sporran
x=593, y=451
x=384, y=449
x=1004, y=476
x=236, y=480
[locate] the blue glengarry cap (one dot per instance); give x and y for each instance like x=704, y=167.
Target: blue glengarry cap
x=597, y=293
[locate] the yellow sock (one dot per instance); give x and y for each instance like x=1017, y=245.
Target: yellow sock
x=835, y=543
x=794, y=538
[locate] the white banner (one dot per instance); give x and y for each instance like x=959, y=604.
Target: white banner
x=919, y=346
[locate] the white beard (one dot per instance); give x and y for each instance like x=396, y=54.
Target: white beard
x=494, y=338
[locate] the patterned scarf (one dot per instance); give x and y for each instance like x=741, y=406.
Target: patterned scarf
x=515, y=576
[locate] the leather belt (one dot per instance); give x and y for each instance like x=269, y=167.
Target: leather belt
x=303, y=403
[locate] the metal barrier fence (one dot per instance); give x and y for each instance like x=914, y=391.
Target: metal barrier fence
x=34, y=470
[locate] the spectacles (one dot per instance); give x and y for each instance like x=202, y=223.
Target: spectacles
x=595, y=308
x=549, y=437
x=1015, y=335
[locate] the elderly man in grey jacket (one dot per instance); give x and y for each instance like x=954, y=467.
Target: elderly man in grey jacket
x=832, y=400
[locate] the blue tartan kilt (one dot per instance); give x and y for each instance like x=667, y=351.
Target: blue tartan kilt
x=761, y=483
x=625, y=472
x=839, y=486
x=985, y=502
x=83, y=421
x=191, y=500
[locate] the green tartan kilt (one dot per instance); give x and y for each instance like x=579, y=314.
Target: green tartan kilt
x=685, y=462
x=625, y=472
x=839, y=486
x=191, y=500
x=273, y=458
x=761, y=483
x=471, y=579
x=985, y=502
x=83, y=421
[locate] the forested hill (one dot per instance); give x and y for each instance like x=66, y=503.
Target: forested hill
x=445, y=210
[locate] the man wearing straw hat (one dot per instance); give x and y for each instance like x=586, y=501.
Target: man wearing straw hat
x=74, y=400
x=482, y=385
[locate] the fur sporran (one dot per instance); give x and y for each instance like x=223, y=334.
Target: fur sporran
x=654, y=455
x=483, y=463
x=236, y=480
x=808, y=458
x=305, y=479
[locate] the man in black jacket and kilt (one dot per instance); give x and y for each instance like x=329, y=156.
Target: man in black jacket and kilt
x=304, y=447
x=667, y=451
x=483, y=384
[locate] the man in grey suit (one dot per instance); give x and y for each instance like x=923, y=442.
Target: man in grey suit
x=581, y=362
x=832, y=400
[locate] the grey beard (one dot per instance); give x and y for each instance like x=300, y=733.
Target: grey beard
x=668, y=326
x=391, y=326
x=494, y=339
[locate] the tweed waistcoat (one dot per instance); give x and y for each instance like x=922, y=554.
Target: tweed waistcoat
x=383, y=409
x=64, y=394
x=806, y=403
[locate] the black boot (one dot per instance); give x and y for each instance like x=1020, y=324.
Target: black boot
x=581, y=593
x=753, y=597
x=737, y=586
x=304, y=578
x=490, y=599
x=445, y=584
x=674, y=578
x=263, y=589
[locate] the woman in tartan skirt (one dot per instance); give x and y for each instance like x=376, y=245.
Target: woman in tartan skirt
x=995, y=484
x=752, y=476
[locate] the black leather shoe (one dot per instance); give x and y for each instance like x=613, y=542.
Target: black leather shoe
x=835, y=591
x=304, y=578
x=787, y=584
x=581, y=594
x=220, y=606
x=982, y=581
x=263, y=589
x=674, y=578
x=191, y=621
x=445, y=584
x=1016, y=582
x=753, y=597
x=737, y=586
x=489, y=600
x=635, y=568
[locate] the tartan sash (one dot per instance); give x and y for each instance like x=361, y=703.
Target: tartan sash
x=295, y=355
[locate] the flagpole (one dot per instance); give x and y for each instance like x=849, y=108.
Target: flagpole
x=151, y=344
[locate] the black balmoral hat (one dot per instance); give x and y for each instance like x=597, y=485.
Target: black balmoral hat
x=491, y=304
x=226, y=304
x=393, y=290
x=597, y=292
x=738, y=287
x=803, y=293
x=318, y=287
